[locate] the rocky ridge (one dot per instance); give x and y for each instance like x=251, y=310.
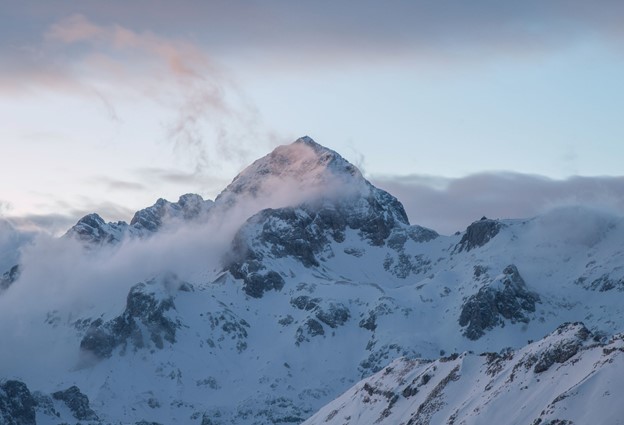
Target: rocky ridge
x=317, y=291
x=559, y=379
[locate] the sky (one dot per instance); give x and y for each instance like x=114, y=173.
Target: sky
x=460, y=109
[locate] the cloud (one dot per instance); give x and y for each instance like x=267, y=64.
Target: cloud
x=56, y=224
x=53, y=224
x=207, y=118
x=72, y=283
x=212, y=116
x=168, y=175
x=61, y=282
x=5, y=207
x=12, y=240
x=116, y=184
x=318, y=34
x=448, y=205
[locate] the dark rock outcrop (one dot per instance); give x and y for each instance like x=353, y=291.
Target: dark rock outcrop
x=335, y=198
x=336, y=314
x=188, y=207
x=305, y=302
x=17, y=404
x=144, y=320
x=310, y=328
x=303, y=233
x=507, y=298
x=565, y=349
x=478, y=234
x=603, y=283
x=93, y=230
x=77, y=402
x=9, y=277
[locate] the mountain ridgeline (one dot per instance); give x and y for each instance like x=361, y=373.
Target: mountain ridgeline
x=301, y=280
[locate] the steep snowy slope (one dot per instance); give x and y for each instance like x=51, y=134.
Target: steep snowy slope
x=301, y=279
x=569, y=377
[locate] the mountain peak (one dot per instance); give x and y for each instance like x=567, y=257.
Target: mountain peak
x=301, y=167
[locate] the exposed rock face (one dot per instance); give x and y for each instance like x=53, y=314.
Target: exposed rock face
x=77, y=402
x=332, y=196
x=603, y=283
x=336, y=314
x=144, y=321
x=329, y=313
x=93, y=230
x=17, y=404
x=471, y=388
x=478, y=234
x=9, y=277
x=347, y=287
x=505, y=298
x=188, y=207
x=227, y=328
x=566, y=348
x=310, y=328
x=303, y=233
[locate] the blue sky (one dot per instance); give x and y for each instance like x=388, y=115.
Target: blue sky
x=109, y=105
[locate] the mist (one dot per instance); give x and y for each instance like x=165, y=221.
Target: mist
x=448, y=205
x=63, y=281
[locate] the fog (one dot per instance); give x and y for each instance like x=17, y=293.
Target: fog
x=449, y=205
x=63, y=281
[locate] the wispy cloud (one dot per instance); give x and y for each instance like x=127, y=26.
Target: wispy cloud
x=117, y=184
x=208, y=119
x=449, y=205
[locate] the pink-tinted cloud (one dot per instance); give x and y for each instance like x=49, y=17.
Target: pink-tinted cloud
x=210, y=119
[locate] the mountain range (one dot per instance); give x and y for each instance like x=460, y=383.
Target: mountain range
x=302, y=294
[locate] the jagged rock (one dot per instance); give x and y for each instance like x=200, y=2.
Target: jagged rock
x=310, y=328
x=93, y=230
x=77, y=402
x=9, y=277
x=603, y=283
x=305, y=302
x=379, y=358
x=188, y=207
x=304, y=232
x=506, y=298
x=145, y=312
x=388, y=306
x=227, y=326
x=17, y=404
x=418, y=234
x=478, y=234
x=335, y=315
x=257, y=284
x=565, y=349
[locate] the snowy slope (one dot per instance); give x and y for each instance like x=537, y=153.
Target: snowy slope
x=297, y=282
x=567, y=377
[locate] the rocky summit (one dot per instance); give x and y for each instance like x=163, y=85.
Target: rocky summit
x=303, y=294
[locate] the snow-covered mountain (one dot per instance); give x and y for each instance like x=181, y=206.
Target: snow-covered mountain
x=568, y=377
x=300, y=280
x=94, y=230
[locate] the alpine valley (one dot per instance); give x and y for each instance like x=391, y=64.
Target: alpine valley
x=302, y=294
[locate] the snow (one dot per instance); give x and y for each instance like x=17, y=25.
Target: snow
x=243, y=360
x=581, y=389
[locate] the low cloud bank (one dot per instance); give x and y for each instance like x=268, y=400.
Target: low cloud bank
x=448, y=205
